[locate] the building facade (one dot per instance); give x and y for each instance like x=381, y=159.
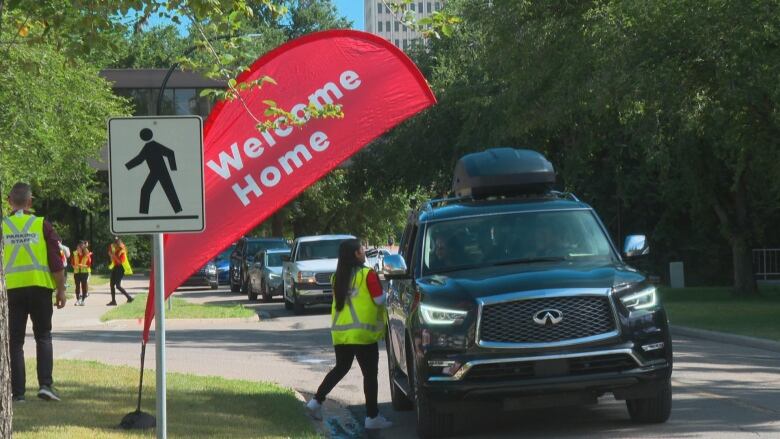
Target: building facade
x=381, y=21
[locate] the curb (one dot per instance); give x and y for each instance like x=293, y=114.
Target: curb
x=722, y=337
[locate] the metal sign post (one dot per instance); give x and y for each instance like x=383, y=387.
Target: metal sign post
x=164, y=196
x=159, y=334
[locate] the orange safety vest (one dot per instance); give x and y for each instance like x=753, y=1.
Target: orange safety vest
x=79, y=260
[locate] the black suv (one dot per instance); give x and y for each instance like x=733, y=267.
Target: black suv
x=514, y=295
x=244, y=254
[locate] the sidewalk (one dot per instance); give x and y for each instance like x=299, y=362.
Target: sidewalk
x=95, y=305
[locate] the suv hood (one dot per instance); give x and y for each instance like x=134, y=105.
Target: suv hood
x=317, y=265
x=490, y=281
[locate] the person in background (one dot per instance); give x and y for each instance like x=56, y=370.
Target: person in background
x=82, y=266
x=357, y=294
x=120, y=266
x=64, y=255
x=33, y=269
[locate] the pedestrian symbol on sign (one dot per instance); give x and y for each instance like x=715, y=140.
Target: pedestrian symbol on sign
x=154, y=155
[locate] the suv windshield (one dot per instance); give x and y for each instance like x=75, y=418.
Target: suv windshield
x=275, y=259
x=517, y=238
x=319, y=250
x=255, y=246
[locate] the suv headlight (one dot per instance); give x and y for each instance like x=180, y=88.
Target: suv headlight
x=433, y=315
x=273, y=276
x=211, y=269
x=306, y=277
x=642, y=299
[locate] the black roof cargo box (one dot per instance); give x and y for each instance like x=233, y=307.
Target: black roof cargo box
x=502, y=171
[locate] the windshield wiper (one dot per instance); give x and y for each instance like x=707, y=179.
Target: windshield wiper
x=531, y=260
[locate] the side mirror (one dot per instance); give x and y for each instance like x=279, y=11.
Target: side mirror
x=636, y=245
x=286, y=258
x=394, y=267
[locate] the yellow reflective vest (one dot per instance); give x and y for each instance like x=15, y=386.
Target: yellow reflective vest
x=361, y=321
x=25, y=259
x=117, y=251
x=81, y=262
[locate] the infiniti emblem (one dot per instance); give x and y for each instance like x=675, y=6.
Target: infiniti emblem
x=548, y=317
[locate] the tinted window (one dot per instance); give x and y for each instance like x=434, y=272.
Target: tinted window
x=254, y=247
x=225, y=255
x=319, y=249
x=275, y=259
x=572, y=235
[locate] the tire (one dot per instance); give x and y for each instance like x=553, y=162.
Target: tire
x=653, y=410
x=214, y=286
x=401, y=402
x=233, y=287
x=298, y=307
x=430, y=422
x=251, y=295
x=244, y=288
x=264, y=294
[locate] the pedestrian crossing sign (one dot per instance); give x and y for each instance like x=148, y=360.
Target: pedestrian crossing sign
x=155, y=174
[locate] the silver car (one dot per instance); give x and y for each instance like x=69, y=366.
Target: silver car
x=265, y=275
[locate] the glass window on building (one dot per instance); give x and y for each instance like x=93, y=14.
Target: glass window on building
x=438, y=6
x=412, y=6
x=379, y=7
x=419, y=7
x=397, y=26
x=428, y=7
x=397, y=43
x=406, y=43
x=379, y=26
x=185, y=101
x=387, y=25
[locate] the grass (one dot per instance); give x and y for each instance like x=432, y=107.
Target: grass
x=180, y=309
x=716, y=309
x=96, y=396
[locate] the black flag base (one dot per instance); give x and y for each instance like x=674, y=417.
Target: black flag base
x=138, y=420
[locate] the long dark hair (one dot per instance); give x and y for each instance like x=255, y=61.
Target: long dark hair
x=345, y=270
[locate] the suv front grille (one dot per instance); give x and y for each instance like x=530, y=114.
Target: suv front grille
x=545, y=368
x=323, y=278
x=513, y=322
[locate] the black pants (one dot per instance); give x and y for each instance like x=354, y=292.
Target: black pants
x=117, y=273
x=81, y=284
x=35, y=302
x=368, y=359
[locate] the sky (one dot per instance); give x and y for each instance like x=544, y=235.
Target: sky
x=353, y=10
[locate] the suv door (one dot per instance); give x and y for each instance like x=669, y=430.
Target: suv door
x=400, y=299
x=287, y=270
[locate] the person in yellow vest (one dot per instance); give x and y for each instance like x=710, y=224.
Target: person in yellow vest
x=33, y=269
x=82, y=266
x=120, y=266
x=358, y=319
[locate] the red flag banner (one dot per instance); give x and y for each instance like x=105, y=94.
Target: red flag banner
x=249, y=174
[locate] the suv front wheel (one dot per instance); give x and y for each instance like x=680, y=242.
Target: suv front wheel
x=430, y=421
x=653, y=410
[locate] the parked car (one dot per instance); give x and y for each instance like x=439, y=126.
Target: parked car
x=244, y=254
x=265, y=274
x=206, y=276
x=307, y=270
x=223, y=265
x=512, y=295
x=375, y=258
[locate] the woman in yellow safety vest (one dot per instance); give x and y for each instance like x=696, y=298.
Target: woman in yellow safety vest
x=82, y=266
x=120, y=266
x=358, y=322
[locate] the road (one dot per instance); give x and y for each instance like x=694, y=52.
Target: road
x=720, y=391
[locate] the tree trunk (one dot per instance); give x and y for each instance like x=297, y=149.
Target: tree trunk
x=6, y=410
x=277, y=223
x=742, y=255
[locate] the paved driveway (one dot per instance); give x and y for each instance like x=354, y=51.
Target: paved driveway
x=720, y=390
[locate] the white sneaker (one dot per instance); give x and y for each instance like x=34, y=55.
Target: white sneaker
x=315, y=409
x=378, y=422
